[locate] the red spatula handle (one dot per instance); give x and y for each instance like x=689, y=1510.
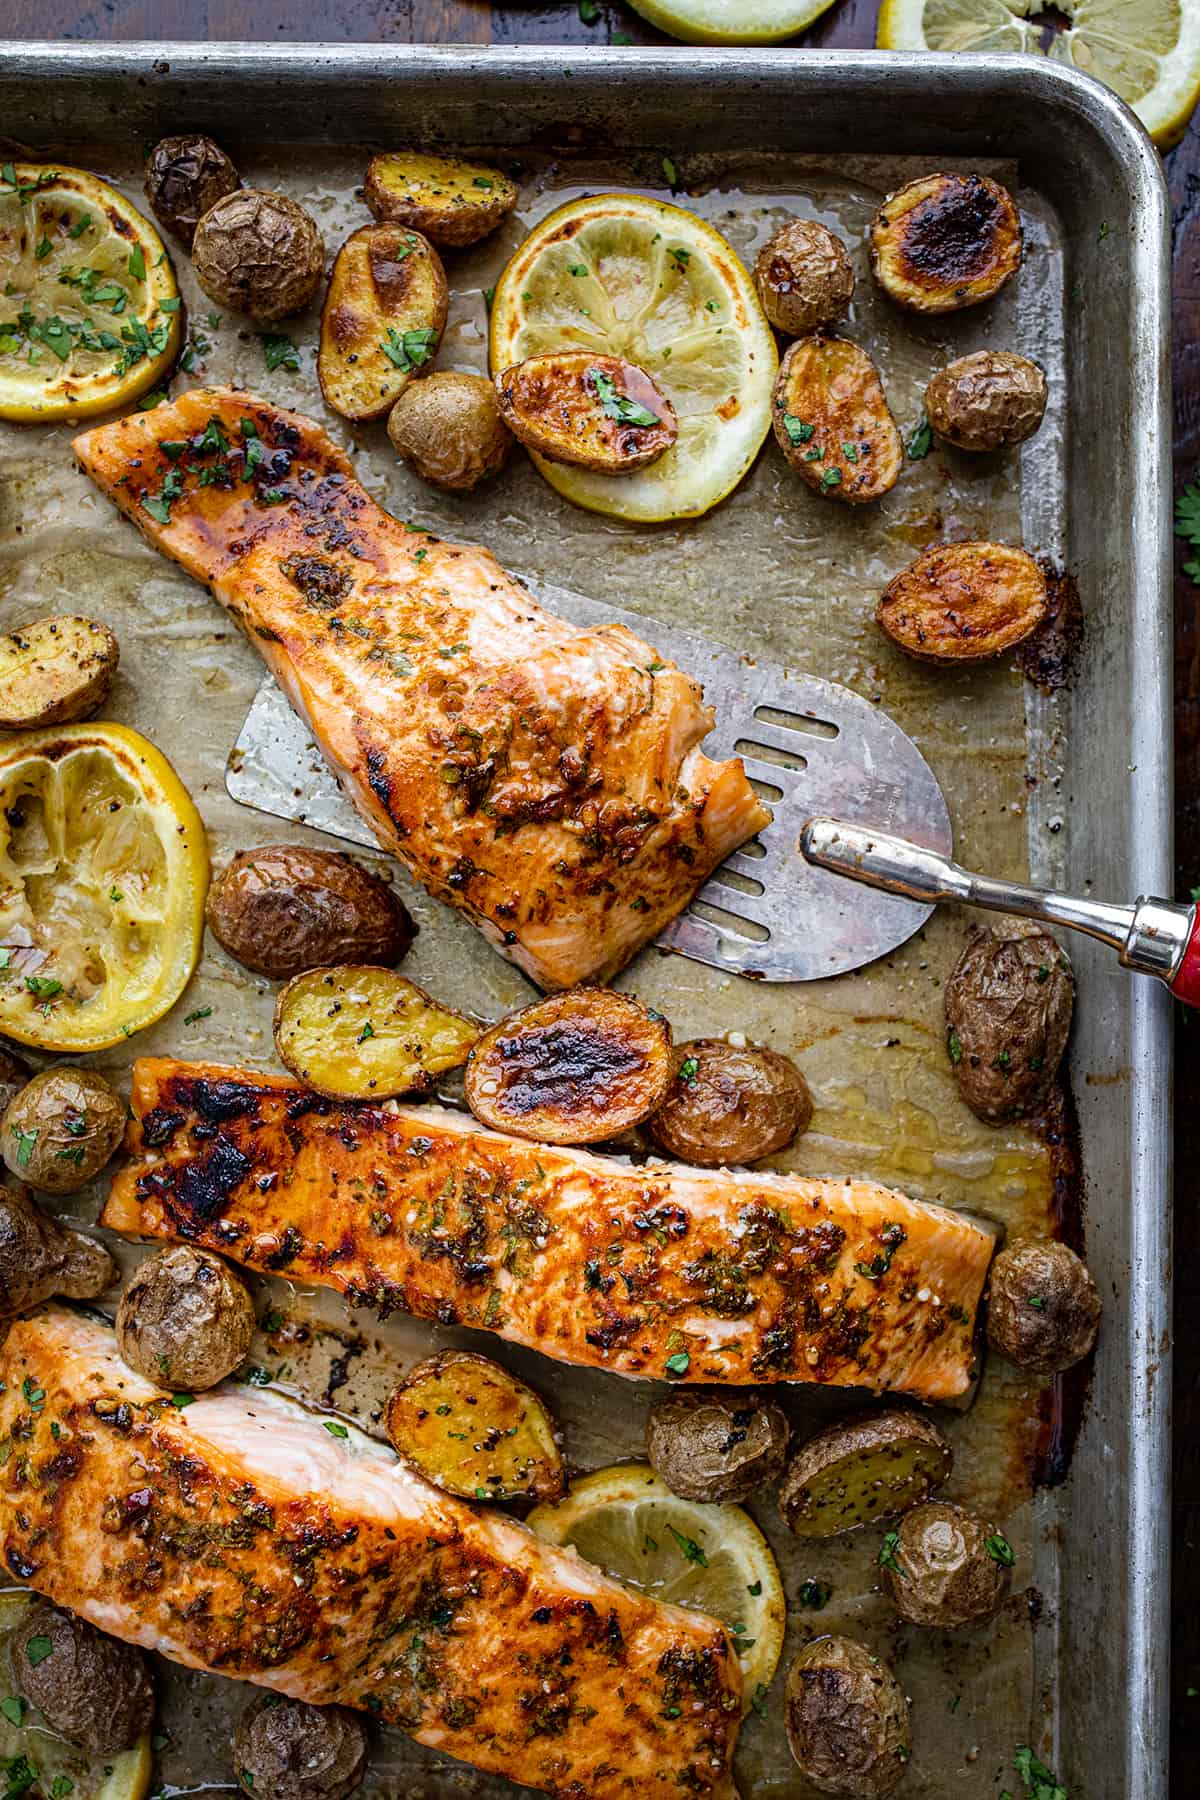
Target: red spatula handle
x=1186, y=983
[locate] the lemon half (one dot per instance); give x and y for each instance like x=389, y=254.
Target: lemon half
x=90, y=315
x=731, y=21
x=638, y=278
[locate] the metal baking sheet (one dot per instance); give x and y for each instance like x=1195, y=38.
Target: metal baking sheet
x=1073, y=787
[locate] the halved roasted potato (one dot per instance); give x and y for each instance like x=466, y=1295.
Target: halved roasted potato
x=451, y=201
x=945, y=242
x=960, y=603
x=383, y=319
x=860, y=1469
x=472, y=1428
x=572, y=1069
x=364, y=1033
x=596, y=412
x=284, y=908
x=730, y=1104
x=55, y=670
x=833, y=423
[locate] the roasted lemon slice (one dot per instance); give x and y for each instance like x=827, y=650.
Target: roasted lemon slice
x=1148, y=51
x=713, y=1559
x=103, y=873
x=636, y=278
x=731, y=21
x=89, y=310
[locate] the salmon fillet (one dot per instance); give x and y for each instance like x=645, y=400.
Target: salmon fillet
x=663, y=1271
x=544, y=780
x=239, y=1535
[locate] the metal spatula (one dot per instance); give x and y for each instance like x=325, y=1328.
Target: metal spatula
x=809, y=747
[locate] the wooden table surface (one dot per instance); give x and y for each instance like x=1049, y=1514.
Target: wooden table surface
x=849, y=24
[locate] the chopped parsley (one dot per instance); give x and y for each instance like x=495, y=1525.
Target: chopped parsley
x=850, y=452
x=831, y=478
x=1000, y=1550
x=814, y=1594
x=43, y=250
x=35, y=1395
x=892, y=1236
x=677, y=1366
x=201, y=1012
x=25, y=1142
x=589, y=12
x=137, y=263
x=953, y=1046
x=680, y=257
x=80, y=226
x=279, y=352
x=577, y=269
x=671, y=173
x=179, y=1401
x=409, y=349
x=689, y=1549
x=44, y=986
x=1040, y=1783
x=798, y=431
x=921, y=441
x=887, y=1558
x=37, y=1650
x=13, y=1708
x=159, y=505
x=334, y=1429
x=689, y=1068
x=619, y=406
x=368, y=1031
x=1037, y=1301
x=483, y=181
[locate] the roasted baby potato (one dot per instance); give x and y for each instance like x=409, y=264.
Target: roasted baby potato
x=1009, y=1002
x=39, y=1257
x=832, y=421
x=860, y=1469
x=383, y=319
x=989, y=400
x=257, y=252
x=449, y=431
x=944, y=1566
x=285, y=1749
x=185, y=175
x=61, y=1129
x=452, y=202
x=185, y=1320
x=804, y=278
x=571, y=1069
x=596, y=412
x=1043, y=1306
x=847, y=1719
x=946, y=241
x=93, y=1690
x=470, y=1427
x=718, y=1445
x=54, y=671
x=13, y=1076
x=962, y=603
x=729, y=1104
x=362, y=1033
x=283, y=908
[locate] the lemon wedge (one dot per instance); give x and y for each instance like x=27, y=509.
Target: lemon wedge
x=90, y=315
x=623, y=275
x=103, y=874
x=731, y=21
x=713, y=1559
x=1147, y=51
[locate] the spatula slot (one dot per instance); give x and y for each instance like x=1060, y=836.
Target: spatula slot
x=733, y=878
x=783, y=759
x=730, y=922
x=805, y=722
x=766, y=790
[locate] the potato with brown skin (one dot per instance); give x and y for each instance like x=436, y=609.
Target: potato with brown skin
x=258, y=253
x=989, y=400
x=574, y=1068
x=453, y=202
x=964, y=603
x=869, y=1466
x=185, y=176
x=185, y=1320
x=1043, y=1306
x=847, y=1720
x=945, y=1567
x=285, y=1749
x=944, y=242
x=363, y=1033
x=13, y=1076
x=383, y=319
x=472, y=1428
x=61, y=1128
x=804, y=278
x=729, y=1104
x=1008, y=1005
x=449, y=431
x=90, y=1688
x=833, y=423
x=284, y=908
x=39, y=1257
x=54, y=671
x=717, y=1446
x=595, y=412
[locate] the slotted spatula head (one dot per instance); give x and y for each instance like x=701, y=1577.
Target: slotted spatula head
x=809, y=747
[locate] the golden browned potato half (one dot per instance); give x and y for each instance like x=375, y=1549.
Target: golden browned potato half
x=989, y=400
x=945, y=1567
x=804, y=278
x=185, y=1320
x=284, y=908
x=259, y=253
x=847, y=1720
x=1009, y=1002
x=717, y=1446
x=39, y=1257
x=61, y=1129
x=472, y=1428
x=383, y=319
x=869, y=1466
x=454, y=203
x=185, y=175
x=55, y=670
x=363, y=1033
x=833, y=423
x=729, y=1104
x=963, y=603
x=572, y=1069
x=449, y=431
x=1043, y=1306
x=596, y=412
x=945, y=242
